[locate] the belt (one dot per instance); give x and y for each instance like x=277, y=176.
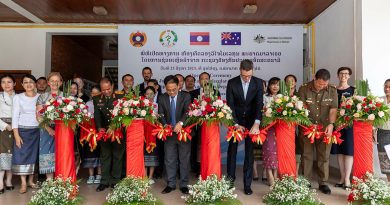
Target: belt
x=6, y=119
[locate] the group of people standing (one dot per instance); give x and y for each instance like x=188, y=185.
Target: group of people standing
x=24, y=147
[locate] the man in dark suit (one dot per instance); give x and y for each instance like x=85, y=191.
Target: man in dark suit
x=147, y=74
x=127, y=83
x=244, y=95
x=172, y=106
x=112, y=153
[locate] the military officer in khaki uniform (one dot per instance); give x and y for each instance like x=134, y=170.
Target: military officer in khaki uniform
x=321, y=100
x=111, y=153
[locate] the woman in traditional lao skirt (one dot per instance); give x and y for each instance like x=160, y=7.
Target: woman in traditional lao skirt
x=91, y=159
x=46, y=142
x=269, y=147
x=291, y=81
x=384, y=136
x=151, y=159
x=26, y=132
x=6, y=134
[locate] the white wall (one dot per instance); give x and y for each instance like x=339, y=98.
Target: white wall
x=334, y=38
x=27, y=47
x=376, y=43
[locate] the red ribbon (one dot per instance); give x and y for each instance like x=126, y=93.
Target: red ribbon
x=335, y=138
x=114, y=135
x=162, y=132
x=185, y=133
x=150, y=147
x=92, y=138
x=260, y=137
x=313, y=132
x=235, y=134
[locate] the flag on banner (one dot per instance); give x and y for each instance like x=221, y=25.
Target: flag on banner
x=231, y=38
x=199, y=38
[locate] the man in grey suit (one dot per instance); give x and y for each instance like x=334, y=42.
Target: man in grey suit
x=172, y=106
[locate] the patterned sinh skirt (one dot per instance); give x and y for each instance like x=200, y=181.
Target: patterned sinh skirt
x=383, y=139
x=6, y=147
x=25, y=158
x=46, y=153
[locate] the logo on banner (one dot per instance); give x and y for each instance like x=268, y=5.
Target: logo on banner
x=231, y=38
x=259, y=39
x=138, y=39
x=168, y=38
x=199, y=38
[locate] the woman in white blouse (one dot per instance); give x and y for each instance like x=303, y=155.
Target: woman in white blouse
x=383, y=136
x=26, y=131
x=6, y=134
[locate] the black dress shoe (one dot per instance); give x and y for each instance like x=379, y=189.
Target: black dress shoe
x=113, y=186
x=1, y=191
x=339, y=185
x=101, y=187
x=167, y=190
x=325, y=189
x=184, y=190
x=9, y=187
x=248, y=191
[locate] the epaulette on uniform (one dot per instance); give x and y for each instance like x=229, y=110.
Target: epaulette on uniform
x=119, y=92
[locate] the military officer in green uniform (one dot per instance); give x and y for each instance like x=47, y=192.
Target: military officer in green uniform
x=111, y=153
x=321, y=100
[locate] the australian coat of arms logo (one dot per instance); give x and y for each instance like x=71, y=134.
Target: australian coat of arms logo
x=138, y=39
x=168, y=38
x=259, y=38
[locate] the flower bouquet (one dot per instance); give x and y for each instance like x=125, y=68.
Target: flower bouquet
x=213, y=191
x=369, y=190
x=362, y=111
x=210, y=110
x=58, y=191
x=285, y=112
x=67, y=112
x=131, y=112
x=131, y=190
x=291, y=191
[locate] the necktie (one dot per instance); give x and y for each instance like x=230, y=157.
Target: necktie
x=173, y=111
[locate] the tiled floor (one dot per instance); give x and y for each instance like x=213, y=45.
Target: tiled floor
x=91, y=197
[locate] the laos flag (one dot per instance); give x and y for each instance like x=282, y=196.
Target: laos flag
x=199, y=38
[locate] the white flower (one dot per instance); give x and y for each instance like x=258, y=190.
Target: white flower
x=69, y=107
x=286, y=98
x=279, y=96
x=136, y=102
x=73, y=103
x=219, y=103
x=50, y=108
x=299, y=105
x=125, y=104
x=229, y=116
x=125, y=110
x=356, y=115
x=65, y=109
x=371, y=117
x=381, y=114
x=82, y=106
x=278, y=101
x=289, y=105
x=284, y=112
x=294, y=112
x=306, y=112
x=359, y=106
x=268, y=112
x=143, y=113
x=146, y=101
x=342, y=112
x=85, y=111
x=379, y=100
x=203, y=103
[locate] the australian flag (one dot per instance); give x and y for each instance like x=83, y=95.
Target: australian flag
x=231, y=38
x=199, y=38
